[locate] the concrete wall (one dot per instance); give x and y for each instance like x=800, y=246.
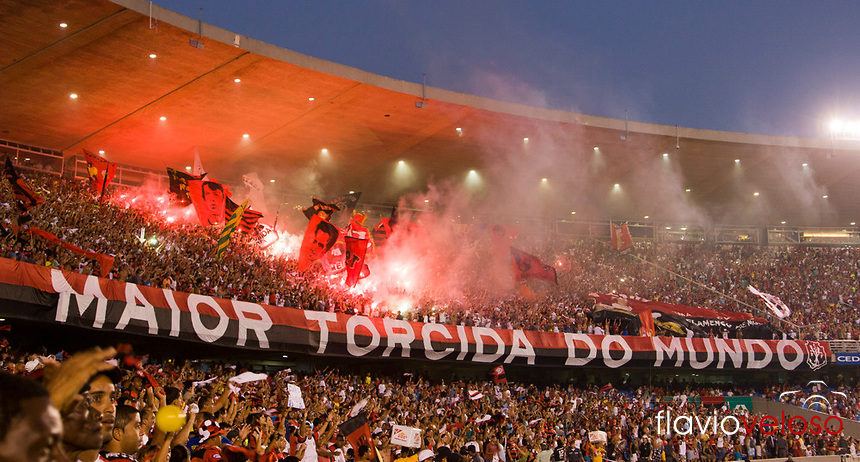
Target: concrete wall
x=815, y=459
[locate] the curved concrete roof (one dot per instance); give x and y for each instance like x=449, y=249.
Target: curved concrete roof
x=369, y=122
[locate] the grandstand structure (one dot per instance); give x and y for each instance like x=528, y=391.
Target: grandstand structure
x=152, y=87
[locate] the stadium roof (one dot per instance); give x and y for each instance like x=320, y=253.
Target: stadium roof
x=293, y=106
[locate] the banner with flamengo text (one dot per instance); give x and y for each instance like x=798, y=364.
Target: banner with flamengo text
x=48, y=295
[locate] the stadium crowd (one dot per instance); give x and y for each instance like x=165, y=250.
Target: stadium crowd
x=819, y=284
x=101, y=404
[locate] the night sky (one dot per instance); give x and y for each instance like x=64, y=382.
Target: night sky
x=767, y=67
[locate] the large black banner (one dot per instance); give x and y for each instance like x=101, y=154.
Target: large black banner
x=91, y=302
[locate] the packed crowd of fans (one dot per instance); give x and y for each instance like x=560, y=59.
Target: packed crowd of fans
x=818, y=284
x=109, y=403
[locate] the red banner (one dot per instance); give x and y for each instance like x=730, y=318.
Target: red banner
x=87, y=301
x=105, y=261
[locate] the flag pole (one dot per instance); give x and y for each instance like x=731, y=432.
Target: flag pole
x=104, y=185
x=277, y=214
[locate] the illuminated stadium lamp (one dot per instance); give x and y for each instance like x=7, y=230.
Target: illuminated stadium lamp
x=687, y=190
x=473, y=180
x=683, y=229
x=543, y=180
x=352, y=192
x=459, y=130
x=162, y=118
x=101, y=151
x=825, y=196
x=64, y=25
x=853, y=223
x=782, y=222
x=665, y=155
x=573, y=213
x=271, y=181
x=596, y=148
x=188, y=167
x=324, y=152
x=26, y=159
x=426, y=201
x=311, y=99
x=845, y=129
x=237, y=80
x=647, y=217
x=737, y=161
x=668, y=227
x=73, y=96
x=525, y=140
x=837, y=125
x=153, y=55
x=246, y=136
x=400, y=162
x=755, y=193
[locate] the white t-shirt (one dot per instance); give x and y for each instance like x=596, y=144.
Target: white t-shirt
x=310, y=450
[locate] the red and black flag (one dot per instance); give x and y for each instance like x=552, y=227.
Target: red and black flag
x=320, y=237
x=528, y=266
x=607, y=387
x=209, y=199
x=498, y=374
x=357, y=433
x=382, y=232
x=101, y=173
x=179, y=186
x=249, y=219
x=24, y=194
x=384, y=229
x=356, y=250
x=621, y=239
x=323, y=209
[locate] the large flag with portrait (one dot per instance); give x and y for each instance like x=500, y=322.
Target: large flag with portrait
x=209, y=199
x=319, y=238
